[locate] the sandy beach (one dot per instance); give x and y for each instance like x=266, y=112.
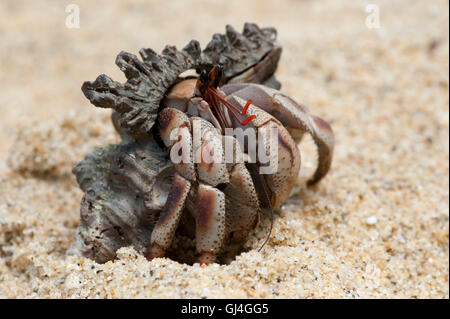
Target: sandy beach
x=376, y=227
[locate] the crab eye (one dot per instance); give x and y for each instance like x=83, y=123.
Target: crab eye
x=218, y=75
x=204, y=77
x=219, y=71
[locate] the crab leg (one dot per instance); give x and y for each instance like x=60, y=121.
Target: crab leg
x=167, y=224
x=210, y=228
x=242, y=203
x=295, y=117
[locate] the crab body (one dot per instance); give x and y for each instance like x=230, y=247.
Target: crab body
x=136, y=194
x=224, y=200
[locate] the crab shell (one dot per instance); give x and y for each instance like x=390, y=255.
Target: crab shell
x=127, y=185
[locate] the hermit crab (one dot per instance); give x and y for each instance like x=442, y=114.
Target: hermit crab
x=137, y=193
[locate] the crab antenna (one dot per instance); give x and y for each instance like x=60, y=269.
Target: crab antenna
x=246, y=107
x=232, y=108
x=220, y=116
x=245, y=122
x=248, y=119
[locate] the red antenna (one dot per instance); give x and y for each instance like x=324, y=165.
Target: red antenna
x=217, y=98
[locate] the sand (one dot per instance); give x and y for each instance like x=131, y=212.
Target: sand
x=376, y=227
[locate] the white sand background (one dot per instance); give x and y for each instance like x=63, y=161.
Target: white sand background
x=376, y=227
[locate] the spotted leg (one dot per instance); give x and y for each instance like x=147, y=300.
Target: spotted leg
x=242, y=204
x=172, y=121
x=294, y=116
x=210, y=201
x=164, y=230
x=210, y=224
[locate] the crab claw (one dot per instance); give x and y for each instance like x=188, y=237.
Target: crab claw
x=294, y=116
